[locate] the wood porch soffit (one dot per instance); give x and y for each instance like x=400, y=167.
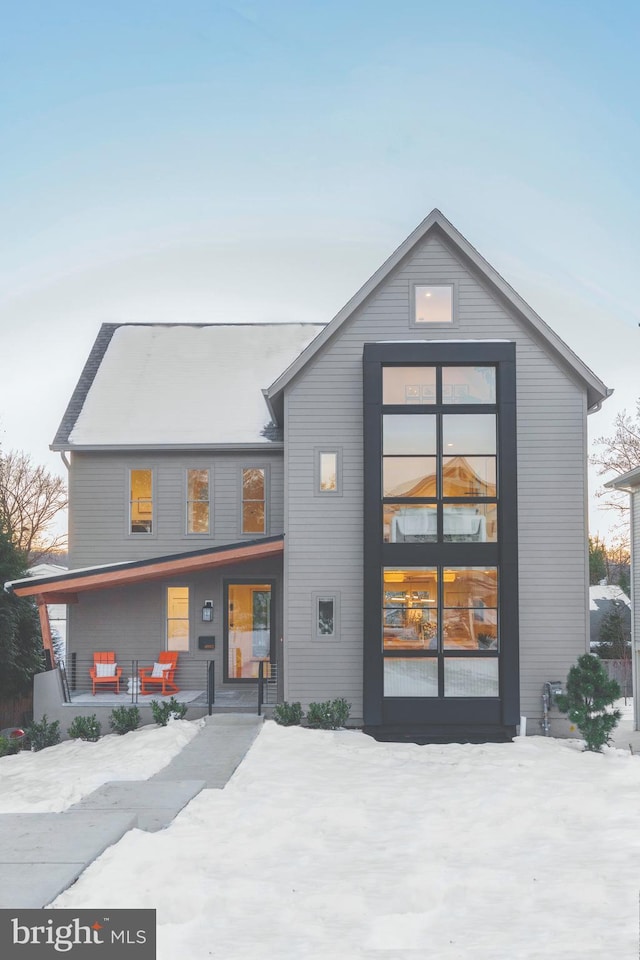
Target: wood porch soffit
x=64, y=589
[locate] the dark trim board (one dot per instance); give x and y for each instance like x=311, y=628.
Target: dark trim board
x=441, y=717
x=448, y=733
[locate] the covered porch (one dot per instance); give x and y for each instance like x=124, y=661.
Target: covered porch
x=216, y=614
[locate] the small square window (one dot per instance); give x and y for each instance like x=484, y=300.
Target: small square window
x=433, y=304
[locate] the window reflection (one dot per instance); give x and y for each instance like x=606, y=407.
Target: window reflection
x=409, y=477
x=408, y=385
x=404, y=434
x=470, y=523
x=471, y=677
x=253, y=500
x=406, y=523
x=468, y=433
x=469, y=477
x=405, y=677
x=468, y=385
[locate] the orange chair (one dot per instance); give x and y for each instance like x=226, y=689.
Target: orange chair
x=102, y=675
x=163, y=679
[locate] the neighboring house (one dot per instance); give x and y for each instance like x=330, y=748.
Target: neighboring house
x=389, y=508
x=630, y=483
x=605, y=599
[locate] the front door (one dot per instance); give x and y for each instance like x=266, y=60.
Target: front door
x=249, y=629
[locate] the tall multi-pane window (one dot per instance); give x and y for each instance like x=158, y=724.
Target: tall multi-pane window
x=177, y=618
x=439, y=464
x=439, y=487
x=198, y=506
x=253, y=500
x=141, y=501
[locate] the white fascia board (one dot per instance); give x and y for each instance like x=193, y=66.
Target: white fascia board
x=629, y=481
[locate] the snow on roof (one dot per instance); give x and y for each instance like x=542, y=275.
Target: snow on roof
x=182, y=384
x=606, y=592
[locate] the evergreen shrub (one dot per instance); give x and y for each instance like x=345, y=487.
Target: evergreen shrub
x=588, y=701
x=85, y=728
x=288, y=714
x=329, y=715
x=166, y=710
x=124, y=719
x=43, y=734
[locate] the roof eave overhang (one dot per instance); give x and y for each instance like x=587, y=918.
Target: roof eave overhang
x=628, y=482
x=597, y=392
x=139, y=571
x=161, y=447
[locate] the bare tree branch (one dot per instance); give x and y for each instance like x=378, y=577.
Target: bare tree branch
x=615, y=455
x=30, y=499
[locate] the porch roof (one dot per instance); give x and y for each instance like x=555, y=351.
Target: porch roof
x=62, y=588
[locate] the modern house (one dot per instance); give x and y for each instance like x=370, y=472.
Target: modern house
x=629, y=482
x=390, y=507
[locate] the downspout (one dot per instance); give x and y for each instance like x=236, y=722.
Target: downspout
x=63, y=457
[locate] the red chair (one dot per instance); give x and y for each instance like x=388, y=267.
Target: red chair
x=105, y=670
x=163, y=679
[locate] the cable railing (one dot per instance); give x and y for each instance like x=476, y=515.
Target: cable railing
x=87, y=683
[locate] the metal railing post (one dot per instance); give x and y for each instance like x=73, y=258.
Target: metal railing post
x=211, y=684
x=65, y=683
x=73, y=671
x=260, y=686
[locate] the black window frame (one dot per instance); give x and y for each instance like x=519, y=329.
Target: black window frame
x=504, y=710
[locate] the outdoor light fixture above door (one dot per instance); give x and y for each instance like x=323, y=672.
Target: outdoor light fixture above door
x=207, y=611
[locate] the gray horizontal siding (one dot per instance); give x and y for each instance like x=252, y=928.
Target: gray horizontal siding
x=99, y=503
x=324, y=538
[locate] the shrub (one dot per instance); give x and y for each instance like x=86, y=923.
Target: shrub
x=287, y=714
x=166, y=710
x=124, y=719
x=85, y=728
x=43, y=734
x=5, y=747
x=589, y=697
x=329, y=715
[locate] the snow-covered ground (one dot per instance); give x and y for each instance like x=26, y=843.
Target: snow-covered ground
x=334, y=847
x=55, y=778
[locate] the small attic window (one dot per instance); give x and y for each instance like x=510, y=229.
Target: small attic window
x=433, y=303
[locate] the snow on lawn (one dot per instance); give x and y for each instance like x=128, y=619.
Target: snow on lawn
x=55, y=778
x=334, y=847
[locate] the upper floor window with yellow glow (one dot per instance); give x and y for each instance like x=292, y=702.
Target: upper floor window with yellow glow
x=198, y=504
x=141, y=501
x=254, y=497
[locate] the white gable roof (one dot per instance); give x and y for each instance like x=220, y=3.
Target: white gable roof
x=436, y=221
x=183, y=385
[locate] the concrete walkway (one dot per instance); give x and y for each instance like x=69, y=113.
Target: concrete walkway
x=41, y=854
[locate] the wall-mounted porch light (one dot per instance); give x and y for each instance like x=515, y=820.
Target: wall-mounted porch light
x=207, y=611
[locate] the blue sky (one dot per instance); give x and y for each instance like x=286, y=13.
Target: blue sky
x=258, y=160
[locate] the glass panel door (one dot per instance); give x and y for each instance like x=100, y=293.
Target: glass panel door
x=248, y=634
